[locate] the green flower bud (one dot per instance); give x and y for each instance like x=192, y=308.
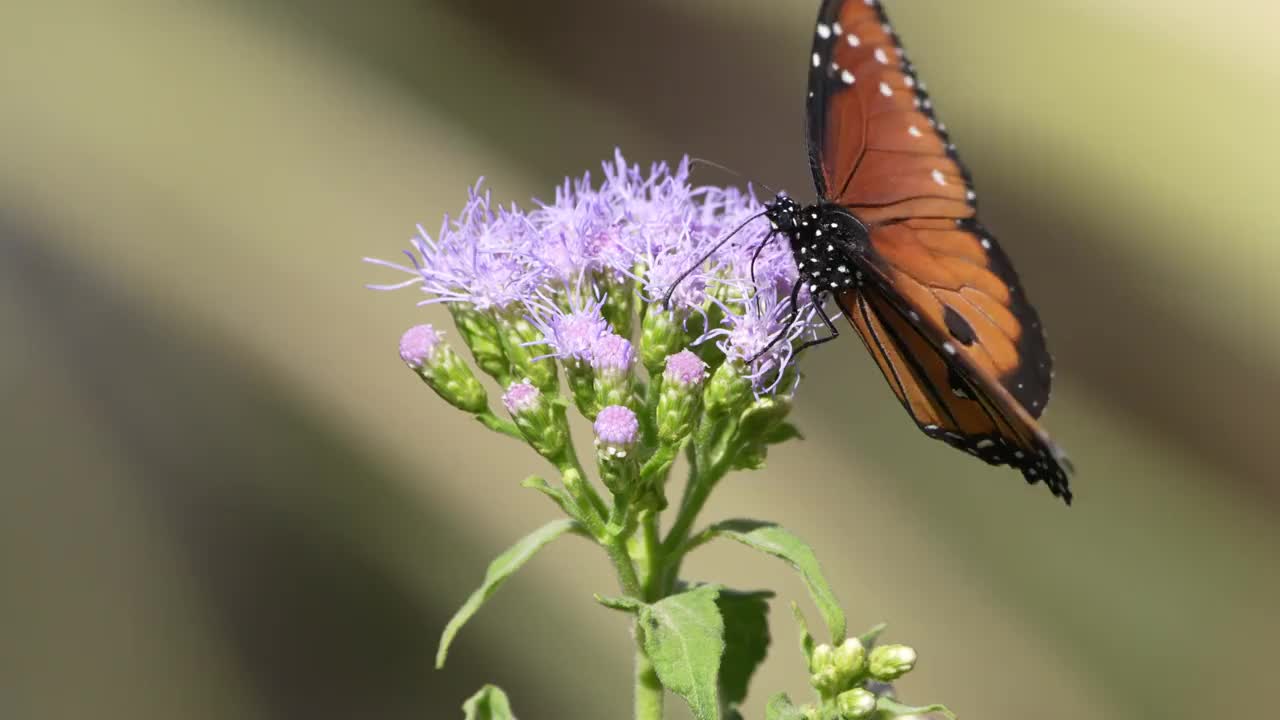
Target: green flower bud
x=856, y=704
x=729, y=391
x=890, y=662
x=823, y=675
x=826, y=682
x=517, y=335
x=619, y=307
x=661, y=334
x=482, y=337
x=680, y=397
x=440, y=368
x=541, y=421
x=581, y=385
x=823, y=657
x=762, y=416
x=617, y=432
x=611, y=361
x=850, y=659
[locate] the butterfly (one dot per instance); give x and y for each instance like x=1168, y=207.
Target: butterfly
x=895, y=240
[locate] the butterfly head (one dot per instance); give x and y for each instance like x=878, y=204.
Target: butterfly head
x=783, y=214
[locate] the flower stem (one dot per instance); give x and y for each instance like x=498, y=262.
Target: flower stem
x=497, y=424
x=696, y=494
x=616, y=547
x=649, y=692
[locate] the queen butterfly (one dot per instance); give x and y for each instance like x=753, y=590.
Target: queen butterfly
x=894, y=239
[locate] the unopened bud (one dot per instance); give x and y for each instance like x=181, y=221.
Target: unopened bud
x=681, y=395
x=855, y=704
x=423, y=350
x=850, y=659
x=823, y=675
x=728, y=392
x=619, y=305
x=890, y=662
x=542, y=422
x=581, y=385
x=661, y=334
x=518, y=334
x=611, y=361
x=823, y=657
x=480, y=333
x=617, y=432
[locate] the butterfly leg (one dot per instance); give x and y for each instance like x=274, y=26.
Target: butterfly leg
x=822, y=313
x=786, y=326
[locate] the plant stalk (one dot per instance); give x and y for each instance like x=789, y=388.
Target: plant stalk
x=649, y=691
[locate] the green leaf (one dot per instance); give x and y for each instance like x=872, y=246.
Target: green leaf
x=488, y=704
x=502, y=567
x=892, y=708
x=781, y=708
x=806, y=639
x=782, y=432
x=684, y=639
x=868, y=638
x=625, y=604
x=779, y=542
x=557, y=495
x=746, y=642
x=751, y=457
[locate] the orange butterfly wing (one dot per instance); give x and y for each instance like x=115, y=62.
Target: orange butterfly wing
x=945, y=316
x=948, y=395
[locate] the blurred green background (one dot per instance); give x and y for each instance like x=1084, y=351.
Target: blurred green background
x=223, y=496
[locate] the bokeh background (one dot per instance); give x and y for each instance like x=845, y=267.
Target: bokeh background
x=221, y=495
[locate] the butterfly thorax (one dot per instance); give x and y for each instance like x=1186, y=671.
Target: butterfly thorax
x=827, y=243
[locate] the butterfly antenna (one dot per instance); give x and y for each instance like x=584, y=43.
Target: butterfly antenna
x=756, y=255
x=666, y=299
x=731, y=171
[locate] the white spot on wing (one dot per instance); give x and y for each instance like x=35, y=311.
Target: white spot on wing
x=824, y=31
x=951, y=349
x=986, y=243
x=846, y=77
x=816, y=60
x=885, y=90
x=939, y=178
x=881, y=57
x=853, y=40
x=914, y=131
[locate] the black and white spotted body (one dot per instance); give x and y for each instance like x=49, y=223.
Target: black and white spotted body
x=826, y=242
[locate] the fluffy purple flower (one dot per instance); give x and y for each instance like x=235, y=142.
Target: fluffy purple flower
x=557, y=264
x=617, y=430
x=418, y=345
x=572, y=334
x=612, y=354
x=484, y=258
x=762, y=332
x=581, y=233
x=685, y=368
x=522, y=397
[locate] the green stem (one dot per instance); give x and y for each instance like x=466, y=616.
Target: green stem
x=696, y=496
x=649, y=692
x=497, y=424
x=627, y=578
x=569, y=462
x=653, y=557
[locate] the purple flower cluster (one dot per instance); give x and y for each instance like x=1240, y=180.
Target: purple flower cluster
x=653, y=232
